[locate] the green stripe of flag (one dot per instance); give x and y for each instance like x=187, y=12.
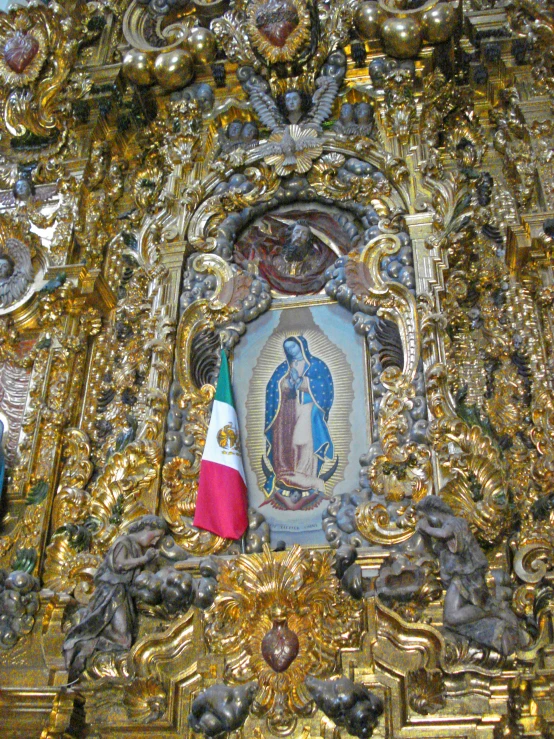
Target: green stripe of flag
x=224, y=392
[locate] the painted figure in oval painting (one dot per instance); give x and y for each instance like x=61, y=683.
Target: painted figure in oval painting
x=299, y=397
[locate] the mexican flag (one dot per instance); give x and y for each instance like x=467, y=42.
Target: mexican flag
x=221, y=506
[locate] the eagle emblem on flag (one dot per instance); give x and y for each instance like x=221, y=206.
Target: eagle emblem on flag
x=228, y=437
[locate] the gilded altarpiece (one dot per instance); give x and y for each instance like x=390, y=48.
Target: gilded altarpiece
x=354, y=201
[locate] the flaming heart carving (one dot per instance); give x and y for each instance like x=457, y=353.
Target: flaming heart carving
x=20, y=50
x=277, y=618
x=276, y=20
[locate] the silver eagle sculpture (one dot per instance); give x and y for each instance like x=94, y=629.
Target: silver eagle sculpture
x=16, y=271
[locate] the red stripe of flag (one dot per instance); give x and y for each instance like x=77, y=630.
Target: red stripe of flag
x=224, y=514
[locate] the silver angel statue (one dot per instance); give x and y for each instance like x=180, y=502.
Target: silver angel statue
x=470, y=609
x=16, y=271
x=295, y=106
x=295, y=117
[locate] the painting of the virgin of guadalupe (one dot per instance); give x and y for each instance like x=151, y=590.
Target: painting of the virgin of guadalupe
x=299, y=398
x=300, y=384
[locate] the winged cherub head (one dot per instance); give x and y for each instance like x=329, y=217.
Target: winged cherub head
x=6, y=267
x=293, y=104
x=16, y=271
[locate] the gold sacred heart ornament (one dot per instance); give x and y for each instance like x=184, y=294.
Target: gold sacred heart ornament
x=20, y=50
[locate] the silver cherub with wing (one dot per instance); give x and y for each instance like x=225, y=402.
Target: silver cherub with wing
x=296, y=107
x=294, y=118
x=16, y=271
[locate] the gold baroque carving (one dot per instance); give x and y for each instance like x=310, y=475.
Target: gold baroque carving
x=478, y=488
x=402, y=474
x=271, y=52
x=297, y=590
x=492, y=484
x=235, y=33
x=323, y=179
x=40, y=45
x=169, y=667
x=210, y=213
x=87, y=521
x=393, y=300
